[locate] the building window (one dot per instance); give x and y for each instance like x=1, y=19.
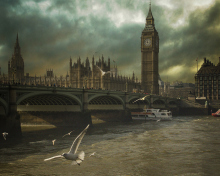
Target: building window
x=205, y=78
x=200, y=78
x=210, y=78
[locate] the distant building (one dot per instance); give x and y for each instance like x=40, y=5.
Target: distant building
x=207, y=81
x=177, y=89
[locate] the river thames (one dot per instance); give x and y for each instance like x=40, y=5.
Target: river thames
x=185, y=146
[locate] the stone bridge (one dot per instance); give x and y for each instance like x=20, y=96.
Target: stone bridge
x=22, y=98
x=61, y=106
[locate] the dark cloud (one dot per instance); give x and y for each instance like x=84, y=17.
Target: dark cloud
x=198, y=39
x=49, y=34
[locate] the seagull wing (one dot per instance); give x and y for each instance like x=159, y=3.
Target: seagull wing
x=70, y=132
x=145, y=96
x=58, y=156
x=77, y=141
x=136, y=100
x=92, y=154
x=101, y=70
x=4, y=135
x=65, y=135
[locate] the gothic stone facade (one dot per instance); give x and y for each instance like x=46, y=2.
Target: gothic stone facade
x=82, y=75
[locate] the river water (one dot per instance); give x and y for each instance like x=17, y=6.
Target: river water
x=185, y=146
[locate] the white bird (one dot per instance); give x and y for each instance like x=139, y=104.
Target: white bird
x=158, y=120
x=27, y=105
x=4, y=135
x=53, y=141
x=71, y=155
x=103, y=73
x=68, y=133
x=92, y=154
x=143, y=98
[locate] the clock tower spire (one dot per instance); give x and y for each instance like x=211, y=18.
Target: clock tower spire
x=149, y=56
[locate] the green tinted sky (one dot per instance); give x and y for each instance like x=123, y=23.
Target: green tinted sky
x=50, y=31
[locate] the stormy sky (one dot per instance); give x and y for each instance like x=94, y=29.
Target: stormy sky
x=52, y=31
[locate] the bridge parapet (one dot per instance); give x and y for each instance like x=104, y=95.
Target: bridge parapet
x=33, y=98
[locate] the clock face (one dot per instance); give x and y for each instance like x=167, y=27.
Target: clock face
x=147, y=42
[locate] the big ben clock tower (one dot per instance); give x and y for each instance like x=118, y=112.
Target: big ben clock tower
x=149, y=56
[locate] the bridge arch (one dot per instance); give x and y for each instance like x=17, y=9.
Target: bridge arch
x=159, y=102
x=106, y=99
x=105, y=102
x=57, y=99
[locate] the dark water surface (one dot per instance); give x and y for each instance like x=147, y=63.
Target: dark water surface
x=184, y=146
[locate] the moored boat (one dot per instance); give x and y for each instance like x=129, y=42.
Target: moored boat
x=216, y=114
x=152, y=114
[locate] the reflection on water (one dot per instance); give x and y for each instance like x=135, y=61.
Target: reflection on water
x=185, y=146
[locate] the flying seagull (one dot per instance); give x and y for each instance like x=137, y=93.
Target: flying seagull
x=4, y=135
x=103, y=73
x=53, y=141
x=68, y=133
x=92, y=154
x=158, y=120
x=143, y=98
x=71, y=155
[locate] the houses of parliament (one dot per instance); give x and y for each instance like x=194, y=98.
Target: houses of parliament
x=88, y=75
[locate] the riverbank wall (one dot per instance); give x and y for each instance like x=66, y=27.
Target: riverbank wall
x=73, y=118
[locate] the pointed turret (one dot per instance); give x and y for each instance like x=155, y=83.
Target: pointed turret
x=17, y=43
x=150, y=18
x=150, y=13
x=17, y=46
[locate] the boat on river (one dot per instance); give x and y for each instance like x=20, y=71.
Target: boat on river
x=216, y=114
x=152, y=114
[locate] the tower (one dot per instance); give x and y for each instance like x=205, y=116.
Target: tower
x=149, y=56
x=16, y=64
